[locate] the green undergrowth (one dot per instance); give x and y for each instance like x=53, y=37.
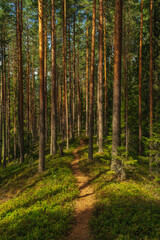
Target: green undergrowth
x=34, y=206
x=128, y=210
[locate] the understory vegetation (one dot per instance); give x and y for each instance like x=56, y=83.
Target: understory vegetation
x=34, y=206
x=125, y=210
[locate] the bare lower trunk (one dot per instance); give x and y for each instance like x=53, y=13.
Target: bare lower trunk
x=90, y=147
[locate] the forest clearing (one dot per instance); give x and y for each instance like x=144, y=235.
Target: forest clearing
x=79, y=120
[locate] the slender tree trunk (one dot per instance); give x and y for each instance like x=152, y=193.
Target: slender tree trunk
x=20, y=76
x=41, y=166
x=53, y=92
x=87, y=77
x=90, y=147
x=28, y=85
x=116, y=165
x=100, y=111
x=34, y=127
x=4, y=106
x=151, y=79
x=79, y=98
x=105, y=73
x=140, y=81
x=65, y=70
x=8, y=121
x=70, y=90
x=15, y=109
x=74, y=72
x=1, y=119
x=45, y=75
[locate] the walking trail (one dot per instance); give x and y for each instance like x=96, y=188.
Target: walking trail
x=84, y=204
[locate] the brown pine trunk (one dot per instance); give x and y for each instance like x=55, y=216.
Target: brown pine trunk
x=74, y=72
x=8, y=114
x=79, y=98
x=53, y=92
x=34, y=127
x=105, y=73
x=116, y=164
x=70, y=90
x=151, y=79
x=28, y=85
x=45, y=75
x=20, y=76
x=91, y=85
x=87, y=77
x=100, y=85
x=15, y=109
x=1, y=120
x=41, y=166
x=4, y=106
x=140, y=81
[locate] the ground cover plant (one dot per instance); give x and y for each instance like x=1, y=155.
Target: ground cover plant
x=125, y=210
x=34, y=206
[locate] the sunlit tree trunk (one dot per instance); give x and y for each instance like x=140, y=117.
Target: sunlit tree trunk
x=100, y=85
x=79, y=97
x=74, y=72
x=53, y=91
x=91, y=85
x=28, y=86
x=87, y=77
x=8, y=113
x=41, y=166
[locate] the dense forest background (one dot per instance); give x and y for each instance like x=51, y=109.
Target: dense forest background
x=81, y=69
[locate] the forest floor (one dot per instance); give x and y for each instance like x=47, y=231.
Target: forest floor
x=73, y=202
x=84, y=204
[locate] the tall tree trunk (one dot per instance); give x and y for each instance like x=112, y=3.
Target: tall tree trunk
x=91, y=85
x=151, y=78
x=8, y=115
x=41, y=166
x=116, y=121
x=74, y=72
x=70, y=89
x=65, y=69
x=45, y=74
x=28, y=85
x=53, y=92
x=87, y=89
x=34, y=127
x=105, y=73
x=4, y=106
x=20, y=76
x=79, y=98
x=15, y=109
x=1, y=119
x=140, y=81
x=100, y=85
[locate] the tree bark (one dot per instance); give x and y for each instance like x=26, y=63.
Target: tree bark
x=105, y=73
x=87, y=89
x=140, y=81
x=100, y=85
x=116, y=164
x=151, y=79
x=41, y=166
x=53, y=91
x=91, y=85
x=20, y=76
x=45, y=75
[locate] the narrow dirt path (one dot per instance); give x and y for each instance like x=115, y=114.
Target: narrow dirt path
x=84, y=205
